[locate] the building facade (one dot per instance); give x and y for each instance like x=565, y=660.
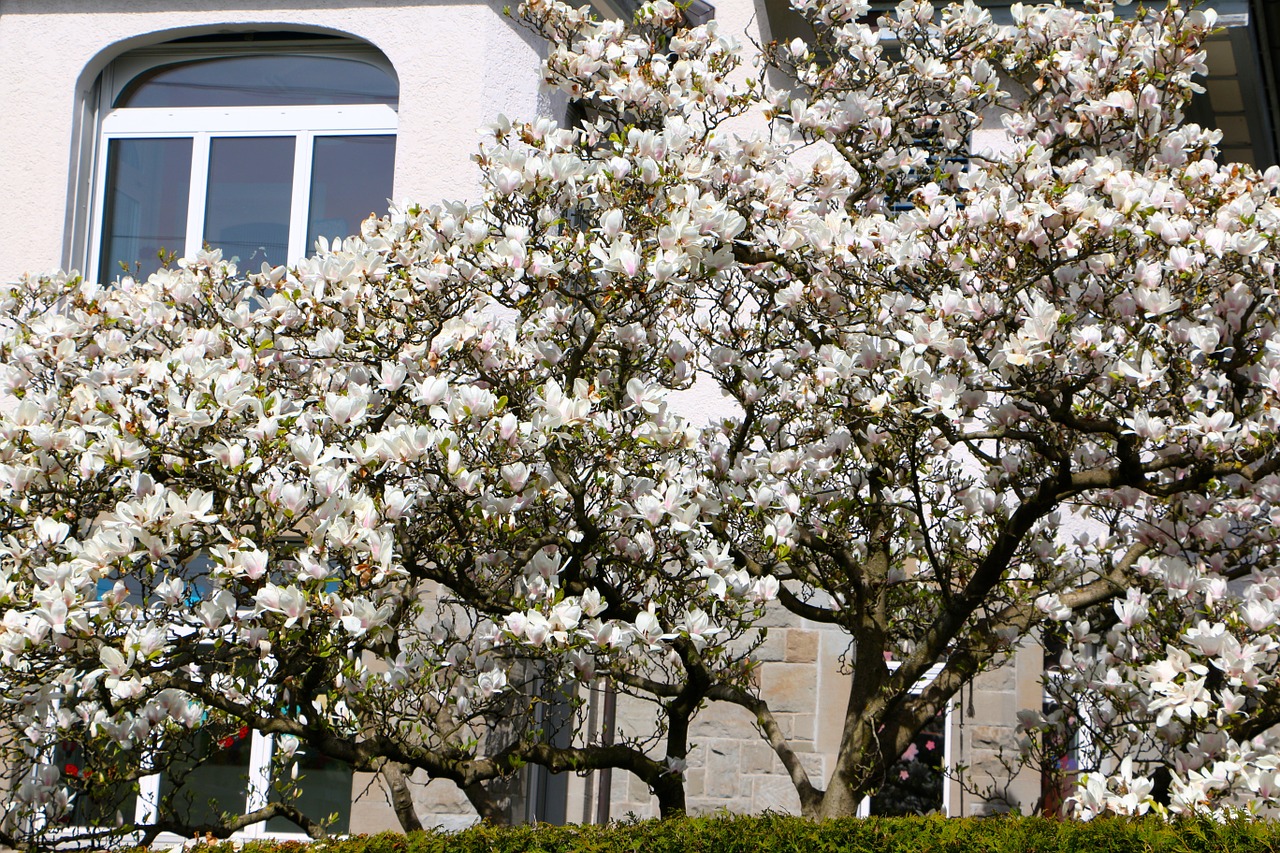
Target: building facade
x=131, y=128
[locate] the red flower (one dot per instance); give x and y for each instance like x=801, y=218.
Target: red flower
x=230, y=740
x=71, y=770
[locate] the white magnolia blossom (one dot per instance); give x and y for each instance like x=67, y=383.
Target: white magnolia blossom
x=391, y=501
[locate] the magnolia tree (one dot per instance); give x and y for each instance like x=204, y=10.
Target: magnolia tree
x=398, y=503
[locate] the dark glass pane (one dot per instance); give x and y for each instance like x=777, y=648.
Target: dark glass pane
x=324, y=790
x=101, y=785
x=350, y=178
x=246, y=211
x=148, y=185
x=913, y=785
x=208, y=776
x=251, y=81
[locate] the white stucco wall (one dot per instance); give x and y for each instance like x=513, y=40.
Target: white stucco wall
x=459, y=63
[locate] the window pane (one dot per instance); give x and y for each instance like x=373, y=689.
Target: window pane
x=148, y=183
x=140, y=585
x=350, y=178
x=208, y=777
x=100, y=793
x=250, y=81
x=324, y=790
x=250, y=191
x=913, y=785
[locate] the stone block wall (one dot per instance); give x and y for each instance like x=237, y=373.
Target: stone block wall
x=984, y=729
x=732, y=769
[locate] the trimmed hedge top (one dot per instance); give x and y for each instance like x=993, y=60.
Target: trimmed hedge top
x=786, y=834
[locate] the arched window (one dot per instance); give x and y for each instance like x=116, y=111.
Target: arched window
x=256, y=147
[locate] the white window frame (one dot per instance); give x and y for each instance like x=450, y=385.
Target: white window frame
x=201, y=124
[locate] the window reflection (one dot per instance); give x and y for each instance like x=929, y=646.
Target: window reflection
x=350, y=179
x=208, y=777
x=250, y=192
x=323, y=788
x=913, y=785
x=99, y=783
x=145, y=211
x=140, y=586
x=252, y=81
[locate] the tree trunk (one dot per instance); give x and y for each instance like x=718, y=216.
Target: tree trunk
x=486, y=805
x=401, y=800
x=669, y=789
x=840, y=799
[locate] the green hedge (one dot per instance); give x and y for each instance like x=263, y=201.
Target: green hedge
x=784, y=834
